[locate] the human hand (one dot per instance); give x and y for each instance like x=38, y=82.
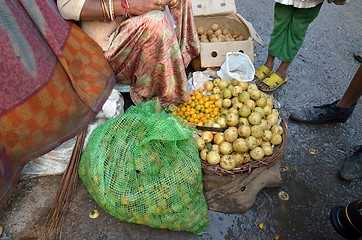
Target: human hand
x=173, y=3
x=139, y=7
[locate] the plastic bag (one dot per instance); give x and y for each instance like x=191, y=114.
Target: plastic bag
x=198, y=80
x=238, y=66
x=144, y=167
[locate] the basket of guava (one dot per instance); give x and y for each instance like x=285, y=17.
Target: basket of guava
x=254, y=130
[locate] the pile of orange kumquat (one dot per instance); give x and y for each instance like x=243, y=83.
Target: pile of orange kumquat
x=200, y=108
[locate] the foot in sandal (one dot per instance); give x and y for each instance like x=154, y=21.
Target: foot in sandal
x=271, y=83
x=261, y=73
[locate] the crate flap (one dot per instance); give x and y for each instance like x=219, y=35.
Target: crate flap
x=252, y=31
x=213, y=7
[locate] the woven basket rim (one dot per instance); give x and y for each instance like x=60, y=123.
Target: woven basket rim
x=248, y=167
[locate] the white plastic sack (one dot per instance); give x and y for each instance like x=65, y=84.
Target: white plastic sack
x=112, y=107
x=238, y=66
x=56, y=161
x=198, y=79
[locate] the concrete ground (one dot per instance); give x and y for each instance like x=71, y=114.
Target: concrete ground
x=319, y=74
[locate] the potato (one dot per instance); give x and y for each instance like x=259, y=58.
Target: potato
x=218, y=32
x=225, y=32
x=236, y=34
x=214, y=27
x=201, y=30
x=209, y=32
x=204, y=40
x=240, y=38
x=212, y=36
x=214, y=39
x=222, y=38
x=215, y=34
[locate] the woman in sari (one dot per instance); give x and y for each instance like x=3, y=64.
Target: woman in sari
x=146, y=47
x=54, y=79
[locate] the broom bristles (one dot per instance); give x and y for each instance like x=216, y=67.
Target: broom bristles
x=55, y=218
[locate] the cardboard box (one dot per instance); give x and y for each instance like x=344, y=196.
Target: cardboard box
x=223, y=13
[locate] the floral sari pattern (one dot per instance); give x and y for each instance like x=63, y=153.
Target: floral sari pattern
x=150, y=55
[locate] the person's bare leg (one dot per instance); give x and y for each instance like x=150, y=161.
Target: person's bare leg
x=353, y=92
x=282, y=70
x=352, y=168
x=270, y=62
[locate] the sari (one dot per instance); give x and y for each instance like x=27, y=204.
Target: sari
x=54, y=79
x=150, y=53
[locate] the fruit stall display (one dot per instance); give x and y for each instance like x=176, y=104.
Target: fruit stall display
x=254, y=132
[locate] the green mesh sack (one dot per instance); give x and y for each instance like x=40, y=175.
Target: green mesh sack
x=144, y=167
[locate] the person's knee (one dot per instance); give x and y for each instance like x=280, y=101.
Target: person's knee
x=157, y=20
x=156, y=27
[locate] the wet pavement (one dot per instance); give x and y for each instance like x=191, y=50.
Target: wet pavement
x=319, y=74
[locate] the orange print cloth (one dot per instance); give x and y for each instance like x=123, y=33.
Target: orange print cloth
x=54, y=79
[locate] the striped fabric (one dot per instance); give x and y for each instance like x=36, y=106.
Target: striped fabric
x=53, y=81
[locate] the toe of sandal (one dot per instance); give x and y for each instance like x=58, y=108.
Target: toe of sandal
x=273, y=82
x=262, y=72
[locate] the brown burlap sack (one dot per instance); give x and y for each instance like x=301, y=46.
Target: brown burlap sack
x=237, y=193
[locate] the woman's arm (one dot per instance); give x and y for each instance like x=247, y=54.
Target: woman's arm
x=70, y=9
x=92, y=9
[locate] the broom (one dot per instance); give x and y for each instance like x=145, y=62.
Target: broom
x=55, y=218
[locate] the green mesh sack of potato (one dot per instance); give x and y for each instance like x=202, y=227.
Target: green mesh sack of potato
x=144, y=167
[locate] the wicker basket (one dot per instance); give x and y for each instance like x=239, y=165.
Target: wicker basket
x=247, y=167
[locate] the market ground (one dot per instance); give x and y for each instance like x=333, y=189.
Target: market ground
x=319, y=74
